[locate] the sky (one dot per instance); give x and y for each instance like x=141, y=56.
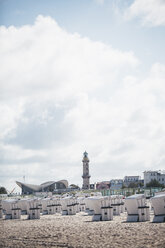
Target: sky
x=81, y=75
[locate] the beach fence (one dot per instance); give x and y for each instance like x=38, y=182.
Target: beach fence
x=148, y=192
x=124, y=192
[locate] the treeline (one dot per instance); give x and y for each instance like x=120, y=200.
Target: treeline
x=3, y=190
x=154, y=183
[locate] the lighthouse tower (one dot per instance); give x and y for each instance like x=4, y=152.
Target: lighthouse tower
x=86, y=176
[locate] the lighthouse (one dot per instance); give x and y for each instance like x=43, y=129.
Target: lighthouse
x=86, y=176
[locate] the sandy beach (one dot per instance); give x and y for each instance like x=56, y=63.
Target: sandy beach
x=80, y=231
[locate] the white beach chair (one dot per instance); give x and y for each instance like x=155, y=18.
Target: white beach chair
x=34, y=210
x=158, y=204
x=50, y=207
x=106, y=209
x=95, y=206
x=66, y=202
x=116, y=204
x=24, y=206
x=1, y=210
x=137, y=210
x=44, y=204
x=72, y=206
x=57, y=205
x=7, y=207
x=15, y=211
x=87, y=206
x=82, y=206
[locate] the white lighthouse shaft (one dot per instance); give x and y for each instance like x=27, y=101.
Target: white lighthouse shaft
x=86, y=176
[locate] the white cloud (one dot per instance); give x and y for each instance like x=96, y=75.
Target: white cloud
x=62, y=94
x=99, y=1
x=53, y=59
x=151, y=12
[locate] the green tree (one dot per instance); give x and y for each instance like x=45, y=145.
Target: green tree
x=123, y=187
x=133, y=185
x=3, y=190
x=154, y=183
x=73, y=186
x=140, y=184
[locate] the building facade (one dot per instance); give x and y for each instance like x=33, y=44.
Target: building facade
x=116, y=184
x=103, y=185
x=131, y=179
x=154, y=175
x=44, y=187
x=86, y=176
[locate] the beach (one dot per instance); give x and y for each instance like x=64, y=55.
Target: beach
x=79, y=231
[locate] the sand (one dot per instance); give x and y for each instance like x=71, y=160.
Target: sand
x=80, y=231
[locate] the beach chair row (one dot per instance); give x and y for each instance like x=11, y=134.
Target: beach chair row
x=136, y=206
x=99, y=207
x=33, y=208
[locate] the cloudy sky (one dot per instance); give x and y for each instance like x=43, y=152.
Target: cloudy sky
x=81, y=75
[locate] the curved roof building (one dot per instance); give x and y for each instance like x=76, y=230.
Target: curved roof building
x=44, y=187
